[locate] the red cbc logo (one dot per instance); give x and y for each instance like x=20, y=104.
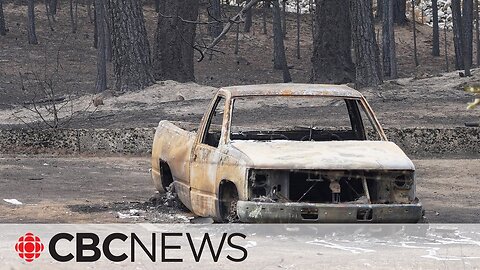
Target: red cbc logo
x=29, y=247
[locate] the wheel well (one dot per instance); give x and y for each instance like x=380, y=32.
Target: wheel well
x=165, y=175
x=227, y=192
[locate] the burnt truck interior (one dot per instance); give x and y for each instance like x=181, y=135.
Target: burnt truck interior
x=333, y=119
x=292, y=118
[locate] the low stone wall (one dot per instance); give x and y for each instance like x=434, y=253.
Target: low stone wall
x=418, y=142
x=438, y=142
x=127, y=141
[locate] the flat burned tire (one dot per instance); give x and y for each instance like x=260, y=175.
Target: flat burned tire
x=227, y=202
x=166, y=178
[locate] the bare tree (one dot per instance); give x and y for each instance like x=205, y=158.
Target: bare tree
x=414, y=30
x=101, y=83
x=73, y=14
x=445, y=46
x=457, y=33
x=477, y=32
x=173, y=51
x=3, y=28
x=233, y=20
x=388, y=44
x=379, y=12
x=367, y=58
x=237, y=40
x=436, y=32
x=108, y=31
x=279, y=58
x=49, y=14
x=265, y=7
x=248, y=21
x=284, y=17
x=311, y=10
x=131, y=50
x=95, y=29
x=53, y=8
x=89, y=11
x=331, y=60
x=467, y=22
x=399, y=11
x=297, y=4
x=215, y=18
x=32, y=36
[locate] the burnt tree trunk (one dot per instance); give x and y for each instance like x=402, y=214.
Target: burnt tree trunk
x=379, y=13
x=331, y=60
x=157, y=6
x=388, y=43
x=297, y=4
x=467, y=21
x=457, y=33
x=367, y=58
x=101, y=83
x=3, y=28
x=265, y=7
x=237, y=39
x=399, y=11
x=174, y=39
x=95, y=28
x=279, y=57
x=130, y=47
x=32, y=36
x=284, y=17
x=53, y=7
x=73, y=12
x=215, y=17
x=89, y=11
x=435, y=32
x=445, y=46
x=248, y=21
x=477, y=32
x=311, y=10
x=414, y=30
x=49, y=15
x=108, y=30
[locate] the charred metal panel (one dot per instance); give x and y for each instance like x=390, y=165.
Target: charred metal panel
x=262, y=212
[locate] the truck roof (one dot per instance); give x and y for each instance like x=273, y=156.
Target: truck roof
x=292, y=89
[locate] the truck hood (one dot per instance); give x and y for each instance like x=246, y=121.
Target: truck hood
x=332, y=155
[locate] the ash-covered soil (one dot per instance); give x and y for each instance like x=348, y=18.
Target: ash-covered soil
x=409, y=102
x=118, y=189
x=425, y=96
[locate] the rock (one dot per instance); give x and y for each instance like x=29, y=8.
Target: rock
x=179, y=97
x=97, y=100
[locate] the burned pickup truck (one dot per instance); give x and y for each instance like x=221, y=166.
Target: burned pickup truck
x=287, y=153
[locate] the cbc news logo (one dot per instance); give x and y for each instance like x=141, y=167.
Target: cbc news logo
x=29, y=247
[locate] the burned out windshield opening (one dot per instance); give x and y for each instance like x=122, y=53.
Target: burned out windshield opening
x=299, y=118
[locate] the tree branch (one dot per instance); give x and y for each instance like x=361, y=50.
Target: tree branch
x=235, y=19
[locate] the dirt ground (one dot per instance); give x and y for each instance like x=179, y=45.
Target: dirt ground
x=81, y=190
x=118, y=189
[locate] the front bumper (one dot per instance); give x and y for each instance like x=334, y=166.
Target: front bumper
x=267, y=212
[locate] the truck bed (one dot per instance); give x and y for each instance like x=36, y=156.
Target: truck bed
x=172, y=145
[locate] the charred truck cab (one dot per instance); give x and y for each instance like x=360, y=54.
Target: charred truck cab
x=287, y=153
